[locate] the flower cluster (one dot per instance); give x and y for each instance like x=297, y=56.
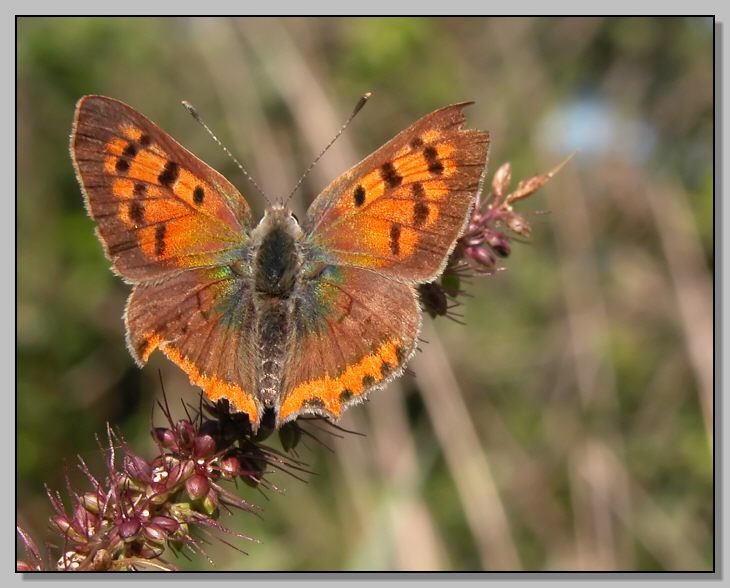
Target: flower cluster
x=486, y=239
x=126, y=521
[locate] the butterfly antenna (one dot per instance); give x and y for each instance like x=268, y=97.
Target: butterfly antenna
x=196, y=116
x=358, y=108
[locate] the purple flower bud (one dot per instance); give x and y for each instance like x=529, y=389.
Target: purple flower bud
x=129, y=529
x=165, y=437
x=154, y=533
x=168, y=524
x=475, y=225
x=483, y=257
x=474, y=240
x=180, y=471
x=204, y=446
x=230, y=466
x=499, y=243
x=197, y=486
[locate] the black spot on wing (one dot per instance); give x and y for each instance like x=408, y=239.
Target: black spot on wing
x=130, y=150
x=395, y=239
x=432, y=159
x=420, y=213
x=416, y=143
x=122, y=165
x=160, y=239
x=390, y=176
x=136, y=212
x=139, y=189
x=169, y=175
x=417, y=191
x=359, y=196
x=198, y=195
x=420, y=208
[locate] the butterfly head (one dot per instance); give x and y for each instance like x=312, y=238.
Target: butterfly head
x=278, y=217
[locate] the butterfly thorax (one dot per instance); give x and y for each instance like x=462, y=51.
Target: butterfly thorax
x=277, y=260
x=276, y=265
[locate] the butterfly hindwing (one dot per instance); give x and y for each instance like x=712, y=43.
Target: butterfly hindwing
x=400, y=210
x=352, y=332
x=158, y=208
x=203, y=320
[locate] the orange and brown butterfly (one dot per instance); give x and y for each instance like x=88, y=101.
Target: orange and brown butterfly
x=276, y=316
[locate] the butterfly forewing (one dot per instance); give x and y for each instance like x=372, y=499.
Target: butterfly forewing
x=400, y=210
x=158, y=208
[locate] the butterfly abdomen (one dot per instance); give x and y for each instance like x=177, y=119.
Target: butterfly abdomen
x=273, y=326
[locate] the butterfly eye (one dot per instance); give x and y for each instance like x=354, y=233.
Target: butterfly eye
x=294, y=216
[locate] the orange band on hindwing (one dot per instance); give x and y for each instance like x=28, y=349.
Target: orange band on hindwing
x=330, y=393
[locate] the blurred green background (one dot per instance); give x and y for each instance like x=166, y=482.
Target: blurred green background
x=567, y=426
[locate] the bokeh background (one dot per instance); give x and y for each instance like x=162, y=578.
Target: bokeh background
x=568, y=425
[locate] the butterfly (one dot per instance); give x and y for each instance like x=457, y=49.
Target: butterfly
x=278, y=316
